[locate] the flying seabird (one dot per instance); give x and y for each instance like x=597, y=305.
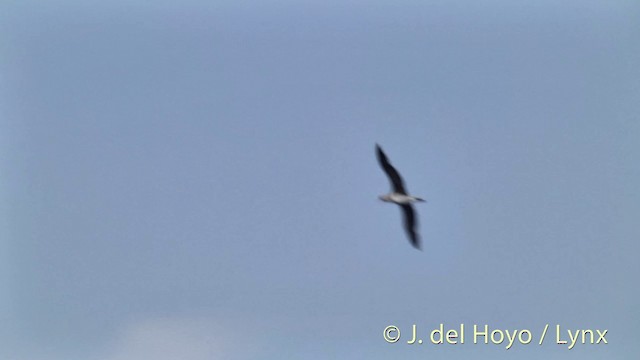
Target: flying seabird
x=398, y=195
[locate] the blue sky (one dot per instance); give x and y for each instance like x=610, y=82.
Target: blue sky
x=198, y=180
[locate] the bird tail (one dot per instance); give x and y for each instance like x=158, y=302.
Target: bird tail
x=419, y=199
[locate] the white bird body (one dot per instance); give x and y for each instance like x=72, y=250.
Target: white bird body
x=400, y=199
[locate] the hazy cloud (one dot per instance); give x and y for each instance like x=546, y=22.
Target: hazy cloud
x=175, y=338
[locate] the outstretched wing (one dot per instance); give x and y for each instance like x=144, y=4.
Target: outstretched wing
x=410, y=225
x=396, y=181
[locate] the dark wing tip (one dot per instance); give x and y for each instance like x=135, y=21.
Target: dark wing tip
x=414, y=238
x=382, y=158
x=410, y=225
x=416, y=243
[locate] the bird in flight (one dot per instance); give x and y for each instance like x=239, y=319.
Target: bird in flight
x=398, y=195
